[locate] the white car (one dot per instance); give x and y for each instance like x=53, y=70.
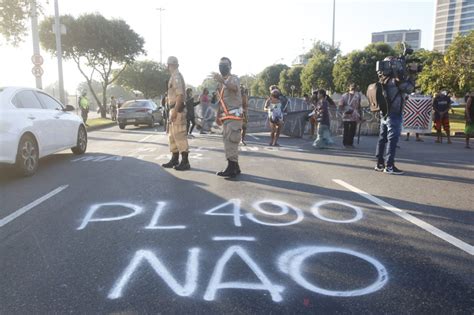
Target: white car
x=33, y=125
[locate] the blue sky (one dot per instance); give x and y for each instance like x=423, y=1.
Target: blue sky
x=253, y=34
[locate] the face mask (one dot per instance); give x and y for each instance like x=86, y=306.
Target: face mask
x=224, y=69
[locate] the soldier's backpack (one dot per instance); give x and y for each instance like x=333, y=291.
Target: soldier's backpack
x=377, y=97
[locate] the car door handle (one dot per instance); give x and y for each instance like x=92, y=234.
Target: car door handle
x=57, y=117
x=32, y=117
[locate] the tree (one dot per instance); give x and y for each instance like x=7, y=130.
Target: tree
x=359, y=66
x=248, y=80
x=269, y=76
x=318, y=71
x=322, y=48
x=459, y=64
x=317, y=74
x=291, y=77
x=95, y=44
x=208, y=83
x=430, y=80
x=148, y=77
x=14, y=15
x=112, y=90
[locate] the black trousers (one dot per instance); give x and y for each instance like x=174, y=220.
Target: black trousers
x=190, y=122
x=349, y=132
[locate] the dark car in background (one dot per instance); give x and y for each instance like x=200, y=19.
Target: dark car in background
x=139, y=112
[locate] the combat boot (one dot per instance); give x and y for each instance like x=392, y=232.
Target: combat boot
x=173, y=162
x=237, y=168
x=184, y=165
x=230, y=171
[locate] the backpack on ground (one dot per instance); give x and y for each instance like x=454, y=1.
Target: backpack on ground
x=377, y=97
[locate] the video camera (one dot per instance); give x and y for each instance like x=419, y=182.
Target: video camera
x=400, y=66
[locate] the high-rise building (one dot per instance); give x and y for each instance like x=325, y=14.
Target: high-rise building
x=411, y=37
x=453, y=17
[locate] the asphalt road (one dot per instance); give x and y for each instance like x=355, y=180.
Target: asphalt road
x=300, y=231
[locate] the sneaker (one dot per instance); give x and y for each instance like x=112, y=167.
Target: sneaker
x=393, y=170
x=379, y=167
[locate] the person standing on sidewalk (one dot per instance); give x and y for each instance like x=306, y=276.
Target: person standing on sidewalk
x=113, y=108
x=441, y=107
x=178, y=140
x=84, y=105
x=349, y=106
x=245, y=114
x=190, y=116
x=469, y=129
x=229, y=115
x=323, y=140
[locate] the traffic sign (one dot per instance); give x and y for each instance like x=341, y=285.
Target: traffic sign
x=37, y=60
x=37, y=71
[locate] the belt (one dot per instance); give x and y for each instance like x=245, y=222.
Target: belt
x=236, y=112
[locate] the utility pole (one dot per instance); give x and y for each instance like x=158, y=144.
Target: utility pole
x=57, y=30
x=37, y=59
x=161, y=36
x=333, y=21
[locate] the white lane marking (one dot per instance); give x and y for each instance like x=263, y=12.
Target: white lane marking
x=253, y=137
x=234, y=238
x=30, y=206
x=420, y=223
x=146, y=138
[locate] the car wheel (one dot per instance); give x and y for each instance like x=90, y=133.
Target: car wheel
x=27, y=157
x=152, y=122
x=81, y=146
x=122, y=126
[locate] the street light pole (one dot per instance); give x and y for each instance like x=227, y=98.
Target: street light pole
x=59, y=51
x=161, y=51
x=333, y=20
x=34, y=31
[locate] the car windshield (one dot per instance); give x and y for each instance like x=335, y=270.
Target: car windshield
x=135, y=104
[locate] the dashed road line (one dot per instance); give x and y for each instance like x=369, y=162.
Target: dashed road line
x=146, y=138
x=234, y=238
x=30, y=206
x=405, y=215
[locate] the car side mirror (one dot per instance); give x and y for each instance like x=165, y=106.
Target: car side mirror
x=69, y=108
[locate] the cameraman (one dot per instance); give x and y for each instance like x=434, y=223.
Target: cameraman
x=396, y=86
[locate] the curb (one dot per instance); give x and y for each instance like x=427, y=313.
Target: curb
x=111, y=124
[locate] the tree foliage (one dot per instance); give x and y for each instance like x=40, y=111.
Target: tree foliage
x=248, y=80
x=14, y=15
x=97, y=46
x=208, y=83
x=269, y=76
x=317, y=74
x=359, y=66
x=148, y=77
x=291, y=77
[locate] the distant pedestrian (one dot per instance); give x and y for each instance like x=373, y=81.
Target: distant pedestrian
x=349, y=106
x=313, y=117
x=441, y=107
x=205, y=102
x=166, y=112
x=245, y=112
x=113, y=108
x=84, y=105
x=417, y=135
x=469, y=115
x=274, y=108
x=322, y=111
x=190, y=116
